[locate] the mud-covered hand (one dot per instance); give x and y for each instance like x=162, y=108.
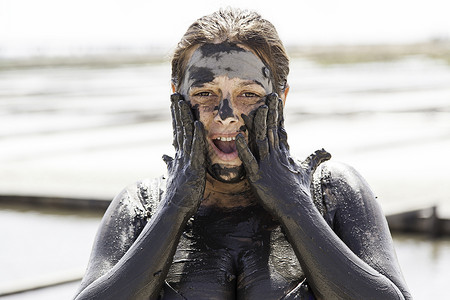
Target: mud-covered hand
x=280, y=181
x=187, y=172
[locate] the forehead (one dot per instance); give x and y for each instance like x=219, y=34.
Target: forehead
x=211, y=60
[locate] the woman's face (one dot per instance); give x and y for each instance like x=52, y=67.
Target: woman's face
x=222, y=82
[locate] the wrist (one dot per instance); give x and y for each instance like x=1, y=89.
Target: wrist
x=291, y=205
x=180, y=205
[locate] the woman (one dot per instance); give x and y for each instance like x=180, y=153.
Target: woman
x=237, y=217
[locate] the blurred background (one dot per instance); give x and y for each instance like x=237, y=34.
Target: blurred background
x=84, y=97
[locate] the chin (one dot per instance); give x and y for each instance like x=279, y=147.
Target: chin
x=227, y=173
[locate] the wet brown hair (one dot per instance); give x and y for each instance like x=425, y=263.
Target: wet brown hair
x=239, y=27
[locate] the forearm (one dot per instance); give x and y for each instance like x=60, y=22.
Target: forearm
x=332, y=269
x=141, y=272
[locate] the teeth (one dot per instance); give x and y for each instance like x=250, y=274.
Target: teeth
x=226, y=139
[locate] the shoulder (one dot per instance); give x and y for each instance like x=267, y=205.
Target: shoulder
x=342, y=190
x=340, y=175
x=140, y=198
x=121, y=224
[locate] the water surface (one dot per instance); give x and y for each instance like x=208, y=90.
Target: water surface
x=89, y=132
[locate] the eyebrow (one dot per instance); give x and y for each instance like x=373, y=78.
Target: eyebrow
x=250, y=82
x=199, y=83
x=202, y=83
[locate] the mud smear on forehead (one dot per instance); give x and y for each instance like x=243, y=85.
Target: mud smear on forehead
x=200, y=75
x=214, y=49
x=213, y=60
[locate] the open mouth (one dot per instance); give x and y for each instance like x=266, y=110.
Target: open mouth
x=225, y=147
x=225, y=144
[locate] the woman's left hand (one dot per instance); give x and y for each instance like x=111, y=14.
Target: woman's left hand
x=280, y=181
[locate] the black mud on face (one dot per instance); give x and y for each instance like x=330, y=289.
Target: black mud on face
x=200, y=75
x=214, y=49
x=225, y=111
x=214, y=60
x=224, y=174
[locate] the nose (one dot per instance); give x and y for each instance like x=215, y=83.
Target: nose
x=225, y=114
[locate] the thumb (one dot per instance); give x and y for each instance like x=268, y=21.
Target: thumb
x=314, y=160
x=169, y=162
x=247, y=158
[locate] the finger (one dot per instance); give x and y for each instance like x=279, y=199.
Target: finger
x=248, y=127
x=314, y=160
x=282, y=134
x=169, y=162
x=174, y=127
x=272, y=122
x=272, y=117
x=174, y=98
x=178, y=125
x=248, y=121
x=260, y=128
x=187, y=122
x=280, y=112
x=198, y=152
x=247, y=158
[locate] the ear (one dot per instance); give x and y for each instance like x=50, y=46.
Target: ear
x=284, y=94
x=173, y=87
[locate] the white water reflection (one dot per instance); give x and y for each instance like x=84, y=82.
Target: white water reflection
x=43, y=244
x=425, y=264
x=43, y=247
x=88, y=132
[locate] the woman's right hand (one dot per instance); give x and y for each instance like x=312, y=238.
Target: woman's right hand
x=187, y=171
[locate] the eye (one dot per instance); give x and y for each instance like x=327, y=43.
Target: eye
x=250, y=94
x=203, y=94
x=249, y=98
x=204, y=97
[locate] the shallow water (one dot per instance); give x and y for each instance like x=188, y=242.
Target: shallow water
x=48, y=245
x=89, y=132
x=38, y=243
x=425, y=264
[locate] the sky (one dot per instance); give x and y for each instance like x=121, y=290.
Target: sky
x=83, y=24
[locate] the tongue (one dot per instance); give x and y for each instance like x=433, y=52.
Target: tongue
x=226, y=147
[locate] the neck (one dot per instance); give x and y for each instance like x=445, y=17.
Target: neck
x=227, y=195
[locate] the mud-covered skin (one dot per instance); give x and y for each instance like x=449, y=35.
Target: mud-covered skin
x=199, y=271
x=237, y=253
x=331, y=232
x=131, y=256
x=357, y=261
x=187, y=174
x=213, y=60
x=210, y=61
x=274, y=174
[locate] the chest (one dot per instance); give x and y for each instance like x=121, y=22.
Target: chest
x=241, y=255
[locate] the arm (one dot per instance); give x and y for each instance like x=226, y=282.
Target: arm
x=360, y=223
x=358, y=260
x=138, y=271
x=119, y=267
x=332, y=268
